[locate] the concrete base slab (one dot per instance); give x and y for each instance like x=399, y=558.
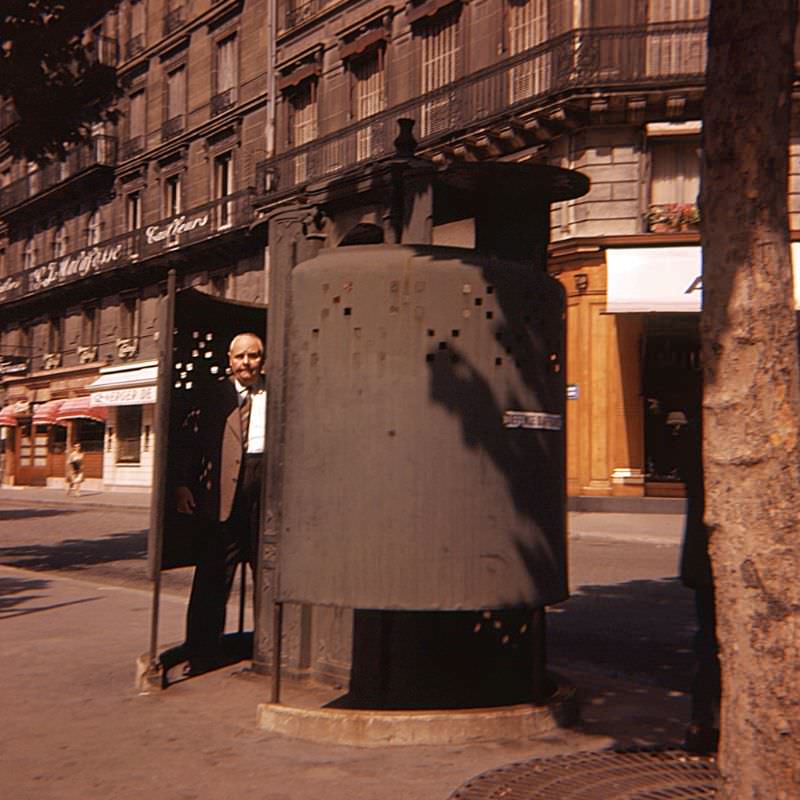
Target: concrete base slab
x=371, y=728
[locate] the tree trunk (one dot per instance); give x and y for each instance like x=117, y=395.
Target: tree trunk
x=752, y=399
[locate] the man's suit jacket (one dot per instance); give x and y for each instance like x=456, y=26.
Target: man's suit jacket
x=211, y=452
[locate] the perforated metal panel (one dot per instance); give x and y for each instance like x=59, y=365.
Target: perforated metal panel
x=424, y=462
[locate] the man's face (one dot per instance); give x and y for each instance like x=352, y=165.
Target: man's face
x=246, y=357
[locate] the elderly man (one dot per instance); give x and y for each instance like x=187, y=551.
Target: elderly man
x=220, y=467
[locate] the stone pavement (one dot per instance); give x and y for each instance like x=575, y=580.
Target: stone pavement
x=75, y=727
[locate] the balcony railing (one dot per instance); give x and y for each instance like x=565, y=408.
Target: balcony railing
x=131, y=147
x=8, y=116
x=577, y=62
x=103, y=50
x=172, y=127
x=101, y=151
x=134, y=46
x=202, y=223
x=298, y=12
x=173, y=20
x=222, y=101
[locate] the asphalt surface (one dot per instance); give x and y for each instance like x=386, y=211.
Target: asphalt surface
x=75, y=616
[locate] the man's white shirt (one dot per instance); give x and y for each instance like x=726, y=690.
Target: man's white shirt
x=258, y=417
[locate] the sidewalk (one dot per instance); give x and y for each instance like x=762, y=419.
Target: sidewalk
x=651, y=520
x=75, y=728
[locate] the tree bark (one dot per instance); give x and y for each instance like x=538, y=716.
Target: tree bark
x=751, y=397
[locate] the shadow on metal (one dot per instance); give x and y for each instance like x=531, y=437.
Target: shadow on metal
x=606, y=775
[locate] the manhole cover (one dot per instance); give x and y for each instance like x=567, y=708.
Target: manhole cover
x=607, y=775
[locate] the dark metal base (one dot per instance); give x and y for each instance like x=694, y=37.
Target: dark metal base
x=606, y=775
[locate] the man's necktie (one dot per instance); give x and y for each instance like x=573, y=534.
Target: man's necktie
x=244, y=415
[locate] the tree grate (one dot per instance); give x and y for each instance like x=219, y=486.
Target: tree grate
x=606, y=775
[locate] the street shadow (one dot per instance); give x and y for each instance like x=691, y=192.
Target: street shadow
x=15, y=591
x=77, y=553
x=30, y=513
x=627, y=647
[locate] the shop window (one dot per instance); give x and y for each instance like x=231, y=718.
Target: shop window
x=527, y=28
x=57, y=444
x=32, y=444
x=440, y=47
x=129, y=434
x=369, y=97
x=90, y=434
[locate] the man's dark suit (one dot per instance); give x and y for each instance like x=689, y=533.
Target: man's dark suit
x=225, y=484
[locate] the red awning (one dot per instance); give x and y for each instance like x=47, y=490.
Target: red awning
x=47, y=413
x=81, y=408
x=8, y=415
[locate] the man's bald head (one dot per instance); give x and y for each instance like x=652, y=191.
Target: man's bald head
x=246, y=358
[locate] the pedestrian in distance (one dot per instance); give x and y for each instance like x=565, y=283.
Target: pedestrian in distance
x=74, y=472
x=219, y=467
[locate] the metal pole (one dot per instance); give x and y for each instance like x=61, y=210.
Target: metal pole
x=158, y=496
x=277, y=629
x=241, y=596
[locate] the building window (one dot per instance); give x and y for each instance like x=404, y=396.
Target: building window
x=29, y=253
x=129, y=434
x=133, y=211
x=174, y=119
x=671, y=52
x=527, y=28
x=89, y=326
x=674, y=183
x=60, y=242
x=223, y=187
x=369, y=97
x=225, y=69
x=137, y=19
x=136, y=125
x=55, y=334
x=172, y=196
x=129, y=318
x=93, y=228
x=302, y=124
x=440, y=48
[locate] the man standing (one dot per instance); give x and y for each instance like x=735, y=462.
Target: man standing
x=219, y=470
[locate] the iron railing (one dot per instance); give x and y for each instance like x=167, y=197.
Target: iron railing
x=202, y=223
x=173, y=20
x=131, y=147
x=172, y=127
x=222, y=101
x=101, y=151
x=134, y=46
x=583, y=60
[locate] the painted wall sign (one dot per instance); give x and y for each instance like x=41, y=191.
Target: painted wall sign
x=133, y=396
x=157, y=234
x=10, y=286
x=82, y=263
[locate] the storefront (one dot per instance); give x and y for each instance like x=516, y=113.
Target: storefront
x=129, y=394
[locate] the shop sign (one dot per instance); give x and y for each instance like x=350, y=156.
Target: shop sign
x=132, y=396
x=535, y=420
x=10, y=286
x=169, y=233
x=75, y=266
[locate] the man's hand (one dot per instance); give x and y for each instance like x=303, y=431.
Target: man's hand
x=184, y=500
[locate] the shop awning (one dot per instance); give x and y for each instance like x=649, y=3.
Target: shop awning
x=81, y=408
x=125, y=386
x=653, y=279
x=47, y=413
x=8, y=415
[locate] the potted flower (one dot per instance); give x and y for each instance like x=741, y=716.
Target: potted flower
x=658, y=218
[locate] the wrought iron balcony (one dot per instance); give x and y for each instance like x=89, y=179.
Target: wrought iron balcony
x=131, y=147
x=298, y=11
x=134, y=46
x=222, y=101
x=101, y=151
x=173, y=20
x=172, y=127
x=578, y=62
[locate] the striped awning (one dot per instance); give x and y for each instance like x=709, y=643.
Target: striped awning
x=81, y=408
x=47, y=413
x=8, y=415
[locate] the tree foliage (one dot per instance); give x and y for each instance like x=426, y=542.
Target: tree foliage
x=59, y=78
